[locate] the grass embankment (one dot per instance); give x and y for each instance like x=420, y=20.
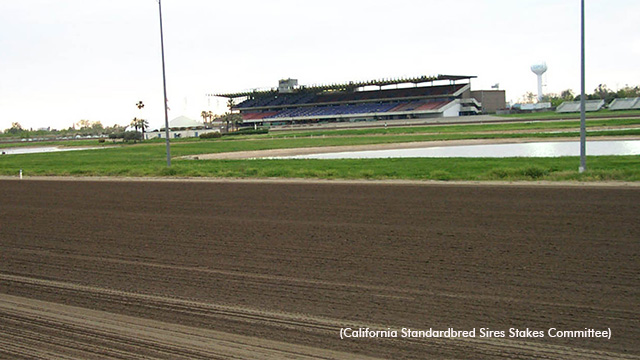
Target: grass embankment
x=529, y=126
x=149, y=159
x=604, y=113
x=470, y=131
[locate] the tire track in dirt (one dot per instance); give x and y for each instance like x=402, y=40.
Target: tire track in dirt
x=393, y=292
x=101, y=333
x=126, y=331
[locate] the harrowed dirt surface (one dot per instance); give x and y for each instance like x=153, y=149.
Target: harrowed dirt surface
x=253, y=270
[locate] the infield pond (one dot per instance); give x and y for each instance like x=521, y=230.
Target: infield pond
x=532, y=149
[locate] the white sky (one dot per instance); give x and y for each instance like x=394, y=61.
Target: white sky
x=66, y=60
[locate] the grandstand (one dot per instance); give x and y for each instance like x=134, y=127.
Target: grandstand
x=419, y=97
x=625, y=104
x=574, y=106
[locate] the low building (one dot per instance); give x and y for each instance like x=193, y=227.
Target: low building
x=181, y=127
x=490, y=100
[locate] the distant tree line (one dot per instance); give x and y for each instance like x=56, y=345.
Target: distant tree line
x=83, y=128
x=231, y=119
x=601, y=92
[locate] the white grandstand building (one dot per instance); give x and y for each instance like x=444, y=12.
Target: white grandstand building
x=389, y=99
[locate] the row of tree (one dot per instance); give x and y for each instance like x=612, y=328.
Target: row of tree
x=82, y=128
x=141, y=124
x=601, y=92
x=126, y=136
x=228, y=118
x=232, y=121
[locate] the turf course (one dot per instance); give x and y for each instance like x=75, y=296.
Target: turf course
x=149, y=158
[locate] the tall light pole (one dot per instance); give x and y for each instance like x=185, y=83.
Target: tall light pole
x=164, y=82
x=583, y=127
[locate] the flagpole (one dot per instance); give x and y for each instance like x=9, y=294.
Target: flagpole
x=164, y=82
x=583, y=128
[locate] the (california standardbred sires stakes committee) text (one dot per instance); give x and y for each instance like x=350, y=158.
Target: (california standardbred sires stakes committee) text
x=347, y=333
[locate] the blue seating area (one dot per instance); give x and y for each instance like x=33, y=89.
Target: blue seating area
x=318, y=105
x=277, y=100
x=281, y=100
x=366, y=108
x=390, y=94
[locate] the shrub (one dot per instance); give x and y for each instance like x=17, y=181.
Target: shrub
x=535, y=172
x=248, y=132
x=210, y=135
x=132, y=135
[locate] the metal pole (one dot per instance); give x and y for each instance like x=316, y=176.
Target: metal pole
x=583, y=127
x=164, y=82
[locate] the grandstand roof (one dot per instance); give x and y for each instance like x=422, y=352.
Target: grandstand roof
x=353, y=85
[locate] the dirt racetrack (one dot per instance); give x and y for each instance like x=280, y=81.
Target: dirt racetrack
x=251, y=270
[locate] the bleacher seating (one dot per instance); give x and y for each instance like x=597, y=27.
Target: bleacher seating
x=431, y=105
x=625, y=104
x=418, y=106
x=365, y=108
x=258, y=115
x=346, y=109
x=425, y=91
x=276, y=100
x=308, y=105
x=574, y=106
x=381, y=95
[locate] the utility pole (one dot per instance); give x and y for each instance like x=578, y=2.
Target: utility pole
x=583, y=127
x=164, y=82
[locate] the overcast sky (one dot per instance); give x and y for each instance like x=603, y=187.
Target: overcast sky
x=66, y=60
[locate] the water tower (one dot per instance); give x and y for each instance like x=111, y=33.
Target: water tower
x=539, y=69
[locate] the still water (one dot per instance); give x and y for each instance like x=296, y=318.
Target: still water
x=40, y=149
x=534, y=149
